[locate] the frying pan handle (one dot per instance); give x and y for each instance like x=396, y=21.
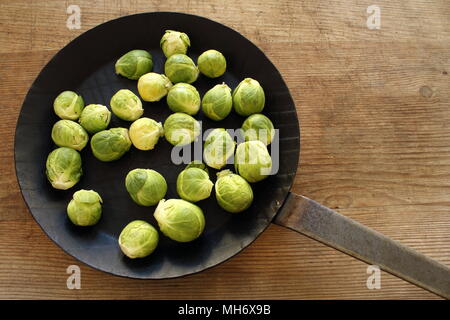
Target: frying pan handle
x=344, y=234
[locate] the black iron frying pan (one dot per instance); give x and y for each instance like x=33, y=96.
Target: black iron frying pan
x=86, y=65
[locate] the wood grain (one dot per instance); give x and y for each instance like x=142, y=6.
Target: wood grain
x=375, y=128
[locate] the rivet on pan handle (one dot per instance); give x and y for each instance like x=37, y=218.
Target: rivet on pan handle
x=335, y=230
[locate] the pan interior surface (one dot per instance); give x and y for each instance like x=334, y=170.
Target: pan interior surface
x=86, y=66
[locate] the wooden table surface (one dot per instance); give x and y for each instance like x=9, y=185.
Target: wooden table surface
x=374, y=108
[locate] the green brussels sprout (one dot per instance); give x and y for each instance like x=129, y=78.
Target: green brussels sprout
x=217, y=102
x=68, y=133
x=258, y=127
x=68, y=105
x=180, y=220
x=110, y=145
x=193, y=183
x=138, y=239
x=145, y=132
x=63, y=168
x=145, y=186
x=180, y=68
x=126, y=105
x=153, y=86
x=181, y=129
x=183, y=97
x=248, y=97
x=134, y=64
x=212, y=63
x=85, y=209
x=252, y=161
x=95, y=118
x=173, y=42
x=233, y=193
x=219, y=146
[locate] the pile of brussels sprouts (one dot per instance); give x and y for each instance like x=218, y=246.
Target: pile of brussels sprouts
x=179, y=219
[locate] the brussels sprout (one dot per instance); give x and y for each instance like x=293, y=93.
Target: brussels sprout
x=134, y=64
x=258, y=127
x=252, y=161
x=95, y=118
x=110, y=145
x=85, y=209
x=180, y=68
x=63, y=168
x=138, y=239
x=183, y=97
x=217, y=102
x=193, y=183
x=153, y=86
x=68, y=105
x=68, y=133
x=233, y=193
x=181, y=129
x=145, y=132
x=212, y=63
x=126, y=105
x=174, y=42
x=219, y=146
x=248, y=97
x=179, y=220
x=145, y=186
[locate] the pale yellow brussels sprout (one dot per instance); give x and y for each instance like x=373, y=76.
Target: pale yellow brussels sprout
x=134, y=64
x=126, y=105
x=180, y=68
x=217, y=102
x=145, y=186
x=258, y=127
x=85, y=209
x=68, y=105
x=233, y=193
x=95, y=118
x=180, y=220
x=68, y=133
x=193, y=183
x=212, y=63
x=138, y=239
x=145, y=133
x=252, y=161
x=153, y=86
x=110, y=145
x=248, y=97
x=183, y=97
x=173, y=42
x=63, y=168
x=181, y=129
x=219, y=146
